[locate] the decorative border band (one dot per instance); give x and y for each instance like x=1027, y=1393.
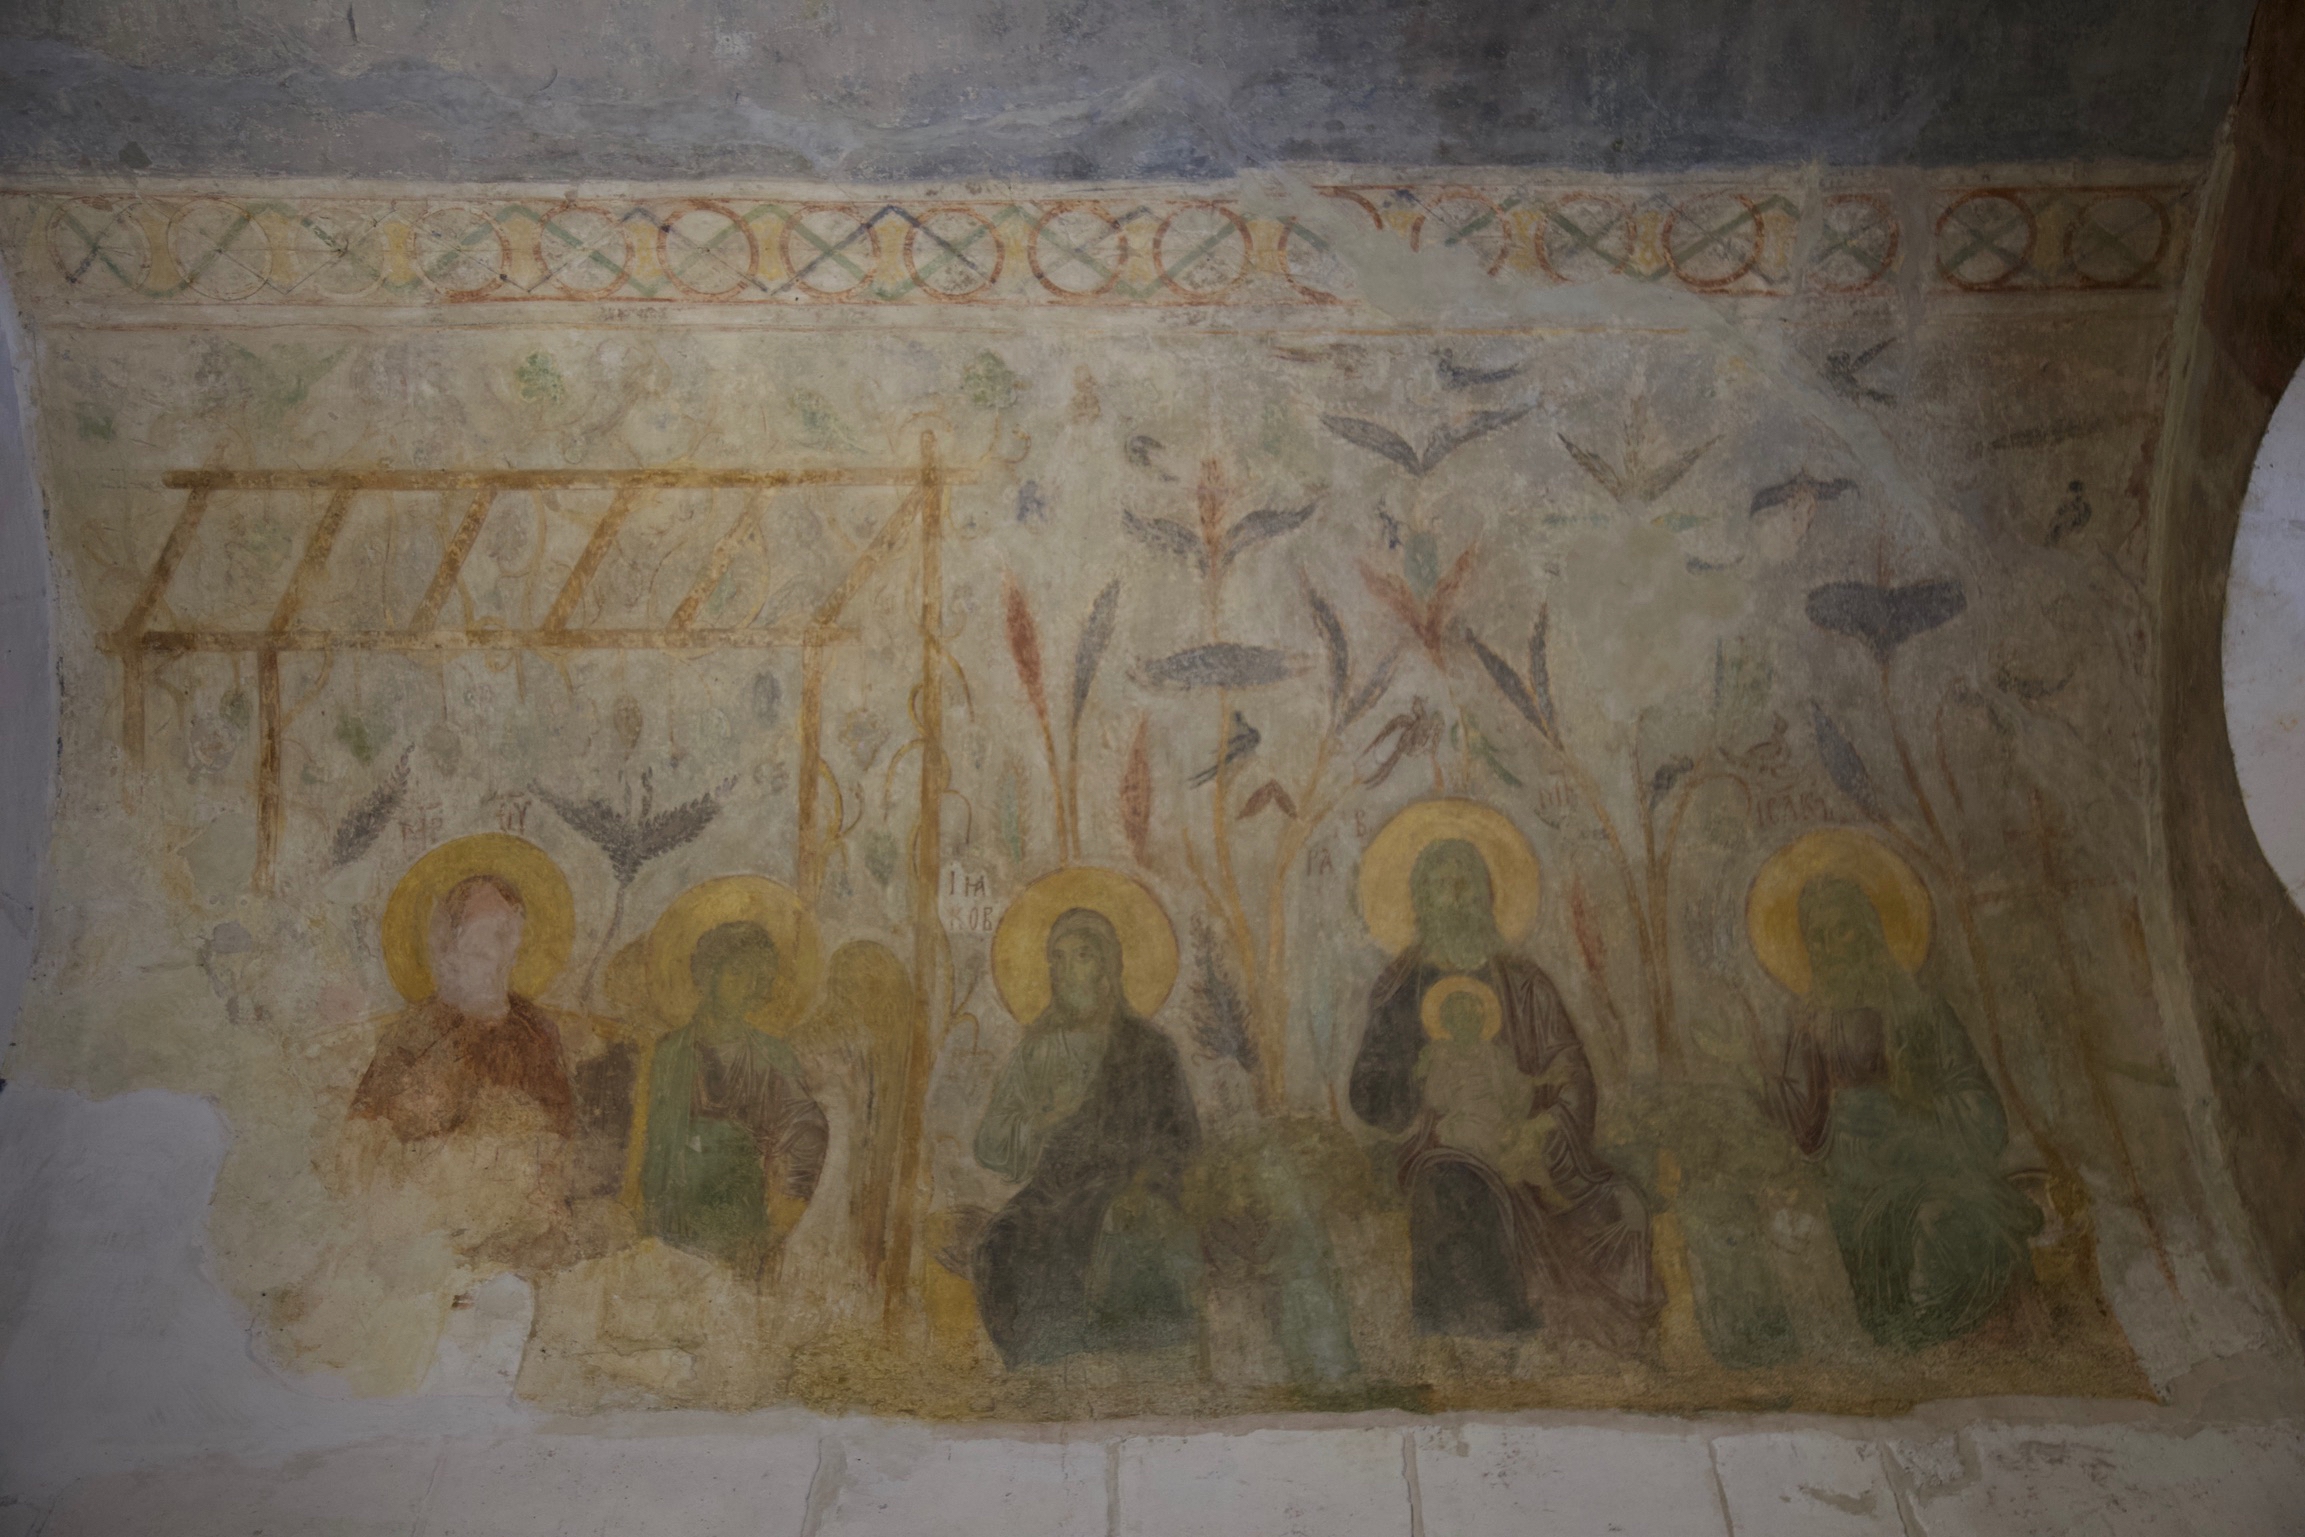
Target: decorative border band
x=1104, y=251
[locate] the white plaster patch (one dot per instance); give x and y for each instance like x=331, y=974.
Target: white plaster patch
x=487, y=1330
x=1566, y=1481
x=2121, y=1481
x=608, y=1486
x=898, y=1481
x=377, y=1490
x=121, y=1351
x=1806, y=1484
x=2264, y=639
x=1265, y=1483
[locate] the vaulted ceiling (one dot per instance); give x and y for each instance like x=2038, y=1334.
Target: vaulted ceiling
x=901, y=89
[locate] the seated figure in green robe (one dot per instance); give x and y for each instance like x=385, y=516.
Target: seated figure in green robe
x=1880, y=1083
x=735, y=1143
x=1093, y=1117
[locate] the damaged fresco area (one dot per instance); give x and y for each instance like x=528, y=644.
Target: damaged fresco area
x=1133, y=848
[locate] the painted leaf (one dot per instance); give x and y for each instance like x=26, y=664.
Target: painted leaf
x=1376, y=439
x=1024, y=646
x=1445, y=592
x=1095, y=636
x=1372, y=689
x=1220, y=1016
x=1508, y=683
x=1594, y=465
x=668, y=830
x=1843, y=764
x=1457, y=434
x=1591, y=947
x=1394, y=594
x=1258, y=526
x=1885, y=617
x=1668, y=475
x=1333, y=641
x=1270, y=793
x=1222, y=664
x=364, y=823
x=1167, y=535
x=1478, y=743
x=1136, y=792
x=1541, y=670
x=631, y=842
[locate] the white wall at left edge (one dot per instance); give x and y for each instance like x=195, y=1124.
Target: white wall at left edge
x=27, y=672
x=2265, y=643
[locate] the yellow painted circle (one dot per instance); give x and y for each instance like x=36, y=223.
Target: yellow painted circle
x=1514, y=878
x=546, y=931
x=1437, y=996
x=735, y=899
x=1148, y=941
x=1773, y=907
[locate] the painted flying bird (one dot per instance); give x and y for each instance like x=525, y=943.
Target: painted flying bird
x=1415, y=730
x=2073, y=515
x=1140, y=450
x=2029, y=691
x=1841, y=372
x=1238, y=748
x=1768, y=755
x=1456, y=376
x=1345, y=357
x=1802, y=494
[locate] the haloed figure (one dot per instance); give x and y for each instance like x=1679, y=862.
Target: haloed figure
x=475, y=1050
x=1092, y=1114
x=1880, y=1082
x=735, y=1143
x=1514, y=1223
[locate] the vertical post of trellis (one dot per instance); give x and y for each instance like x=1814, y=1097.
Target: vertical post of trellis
x=268, y=811
x=308, y=573
x=809, y=840
x=129, y=638
x=930, y=986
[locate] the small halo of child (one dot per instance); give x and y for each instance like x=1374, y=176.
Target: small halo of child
x=1481, y=1101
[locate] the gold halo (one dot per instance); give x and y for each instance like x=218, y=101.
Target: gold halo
x=1514, y=877
x=1148, y=941
x=1773, y=907
x=1437, y=996
x=735, y=899
x=547, y=928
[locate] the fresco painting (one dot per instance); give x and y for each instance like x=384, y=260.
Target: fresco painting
x=1065, y=862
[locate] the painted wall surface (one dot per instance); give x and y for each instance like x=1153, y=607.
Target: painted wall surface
x=886, y=90
x=1406, y=794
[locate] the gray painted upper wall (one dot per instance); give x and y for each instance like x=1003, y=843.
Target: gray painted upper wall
x=863, y=90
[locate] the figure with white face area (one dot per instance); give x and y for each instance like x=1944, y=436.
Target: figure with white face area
x=474, y=1039
x=473, y=942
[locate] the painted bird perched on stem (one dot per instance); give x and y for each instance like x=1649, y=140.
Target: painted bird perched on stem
x=1415, y=730
x=1239, y=746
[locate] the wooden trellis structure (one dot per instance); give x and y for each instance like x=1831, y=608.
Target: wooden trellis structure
x=290, y=631
x=920, y=515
